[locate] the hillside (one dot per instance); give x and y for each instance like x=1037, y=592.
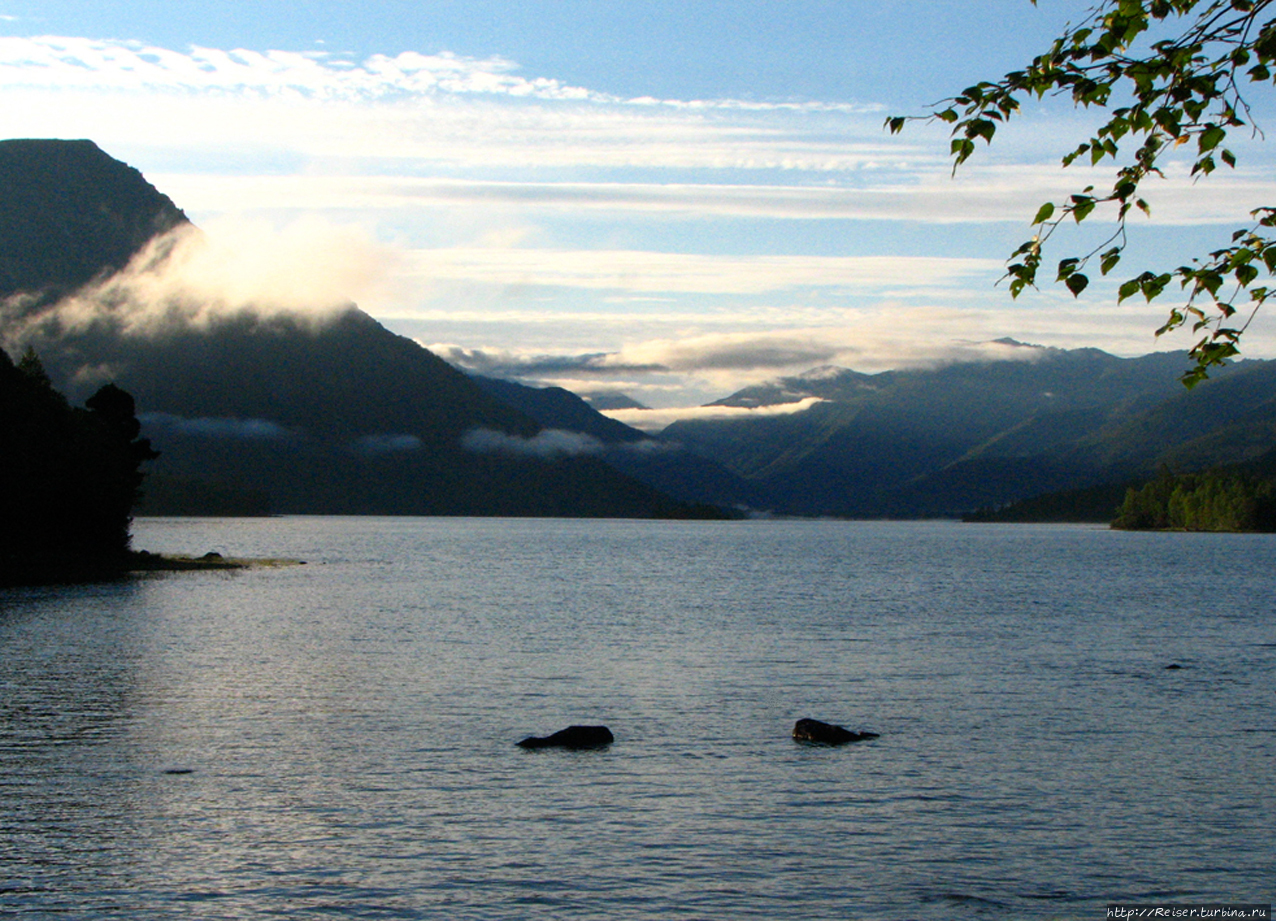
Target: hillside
x=69, y=213
x=336, y=415
x=942, y=441
x=662, y=464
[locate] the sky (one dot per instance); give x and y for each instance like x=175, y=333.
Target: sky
x=667, y=199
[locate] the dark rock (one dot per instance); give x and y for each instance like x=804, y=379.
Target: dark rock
x=808, y=730
x=573, y=737
x=1173, y=666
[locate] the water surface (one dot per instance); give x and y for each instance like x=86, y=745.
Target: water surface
x=337, y=739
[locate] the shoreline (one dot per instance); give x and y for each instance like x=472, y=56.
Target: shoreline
x=141, y=561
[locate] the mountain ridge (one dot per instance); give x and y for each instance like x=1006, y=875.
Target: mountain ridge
x=333, y=415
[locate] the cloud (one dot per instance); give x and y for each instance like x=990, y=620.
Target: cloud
x=221, y=427
x=750, y=352
x=546, y=445
x=730, y=352
x=509, y=363
x=655, y=420
x=309, y=268
x=688, y=273
x=63, y=61
x=1006, y=194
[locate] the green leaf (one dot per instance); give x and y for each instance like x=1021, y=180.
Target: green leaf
x=1128, y=289
x=1082, y=206
x=1152, y=285
x=1109, y=260
x=1044, y=213
x=1077, y=283
x=1210, y=138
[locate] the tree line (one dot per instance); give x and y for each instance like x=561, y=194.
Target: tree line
x=1221, y=499
x=69, y=477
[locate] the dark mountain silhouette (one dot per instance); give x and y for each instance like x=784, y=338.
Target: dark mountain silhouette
x=69, y=213
x=325, y=416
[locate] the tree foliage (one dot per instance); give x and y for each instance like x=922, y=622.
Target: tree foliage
x=1186, y=90
x=68, y=477
x=1213, y=500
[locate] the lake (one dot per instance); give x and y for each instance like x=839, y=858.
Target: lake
x=338, y=739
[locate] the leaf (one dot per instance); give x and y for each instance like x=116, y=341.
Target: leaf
x=1210, y=138
x=1076, y=283
x=962, y=148
x=1109, y=260
x=1131, y=287
x=1044, y=213
x=1082, y=207
x=1152, y=285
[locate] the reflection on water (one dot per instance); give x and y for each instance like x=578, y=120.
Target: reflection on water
x=337, y=739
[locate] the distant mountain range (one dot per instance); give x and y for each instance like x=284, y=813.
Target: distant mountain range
x=940, y=441
x=257, y=410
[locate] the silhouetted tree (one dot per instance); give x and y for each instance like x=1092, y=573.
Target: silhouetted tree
x=68, y=477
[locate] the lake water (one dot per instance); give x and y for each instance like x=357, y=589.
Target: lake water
x=337, y=739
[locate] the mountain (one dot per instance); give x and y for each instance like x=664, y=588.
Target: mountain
x=69, y=213
x=661, y=464
x=605, y=399
x=330, y=415
x=944, y=440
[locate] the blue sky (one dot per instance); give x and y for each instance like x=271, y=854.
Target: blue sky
x=670, y=199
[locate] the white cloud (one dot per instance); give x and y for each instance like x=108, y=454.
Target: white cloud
x=218, y=427
x=546, y=445
x=520, y=207
x=654, y=420
x=311, y=267
x=637, y=270
x=60, y=62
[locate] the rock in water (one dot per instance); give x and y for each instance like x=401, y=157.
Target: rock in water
x=574, y=737
x=808, y=730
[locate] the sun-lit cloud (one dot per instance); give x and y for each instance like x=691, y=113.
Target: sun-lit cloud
x=678, y=248
x=310, y=268
x=674, y=371
x=654, y=420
